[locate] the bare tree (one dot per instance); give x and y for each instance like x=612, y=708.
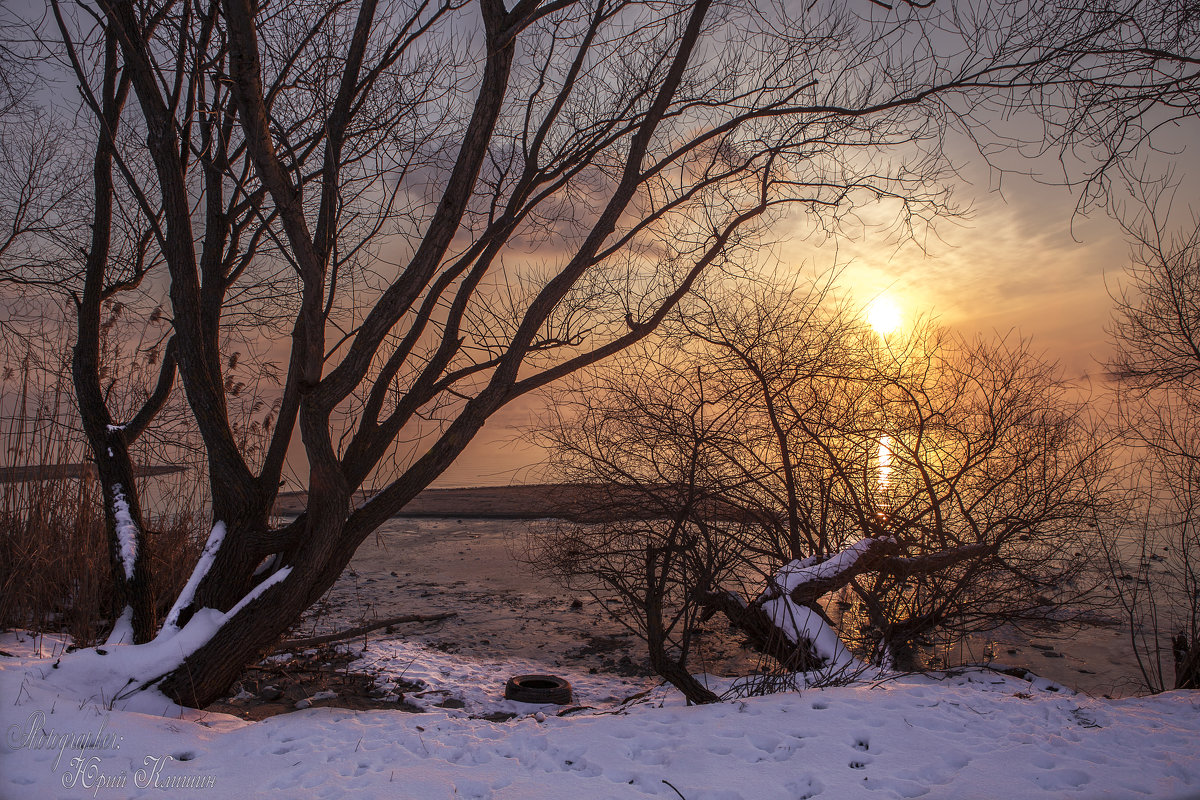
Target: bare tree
x=1125, y=84
x=1156, y=330
x=1117, y=112
x=789, y=452
x=969, y=455
x=439, y=207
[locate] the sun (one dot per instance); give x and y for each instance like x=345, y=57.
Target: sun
x=883, y=314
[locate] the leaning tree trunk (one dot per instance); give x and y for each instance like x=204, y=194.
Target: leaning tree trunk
x=133, y=606
x=773, y=629
x=256, y=622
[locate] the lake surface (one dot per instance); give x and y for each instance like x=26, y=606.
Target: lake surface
x=506, y=608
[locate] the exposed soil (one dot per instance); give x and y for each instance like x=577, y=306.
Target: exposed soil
x=503, y=609
x=274, y=686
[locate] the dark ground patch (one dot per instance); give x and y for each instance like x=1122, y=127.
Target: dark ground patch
x=274, y=687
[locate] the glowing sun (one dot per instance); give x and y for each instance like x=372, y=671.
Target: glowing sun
x=884, y=315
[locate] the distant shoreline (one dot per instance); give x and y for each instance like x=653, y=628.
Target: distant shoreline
x=581, y=502
x=578, y=502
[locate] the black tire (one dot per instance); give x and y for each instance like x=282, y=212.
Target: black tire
x=538, y=689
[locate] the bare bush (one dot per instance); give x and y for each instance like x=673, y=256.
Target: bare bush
x=789, y=452
x=1155, y=564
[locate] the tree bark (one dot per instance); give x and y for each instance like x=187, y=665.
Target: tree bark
x=108, y=443
x=763, y=634
x=1187, y=662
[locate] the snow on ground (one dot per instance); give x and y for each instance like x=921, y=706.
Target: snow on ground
x=478, y=683
x=971, y=734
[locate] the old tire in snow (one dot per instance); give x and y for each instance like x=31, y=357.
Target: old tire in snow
x=538, y=689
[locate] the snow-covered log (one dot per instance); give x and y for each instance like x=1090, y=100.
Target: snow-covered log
x=785, y=621
x=806, y=582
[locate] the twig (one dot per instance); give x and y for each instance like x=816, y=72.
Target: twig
x=313, y=641
x=668, y=783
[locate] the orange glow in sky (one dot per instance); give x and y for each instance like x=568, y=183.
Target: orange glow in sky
x=883, y=314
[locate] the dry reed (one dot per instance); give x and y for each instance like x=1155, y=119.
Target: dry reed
x=55, y=566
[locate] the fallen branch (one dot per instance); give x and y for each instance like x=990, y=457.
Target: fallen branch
x=875, y=555
x=294, y=644
x=807, y=582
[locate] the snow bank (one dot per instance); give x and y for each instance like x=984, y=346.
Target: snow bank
x=972, y=734
x=122, y=631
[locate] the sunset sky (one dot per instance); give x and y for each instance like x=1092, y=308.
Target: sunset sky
x=1021, y=262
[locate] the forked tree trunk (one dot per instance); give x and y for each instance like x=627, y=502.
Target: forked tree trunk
x=309, y=568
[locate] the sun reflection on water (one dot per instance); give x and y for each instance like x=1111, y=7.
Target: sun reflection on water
x=883, y=468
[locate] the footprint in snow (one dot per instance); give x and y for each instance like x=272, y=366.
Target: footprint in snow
x=763, y=741
x=896, y=788
x=1061, y=778
x=805, y=788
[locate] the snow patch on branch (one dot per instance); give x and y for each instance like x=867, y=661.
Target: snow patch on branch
x=127, y=530
x=207, y=556
x=797, y=573
x=257, y=591
x=802, y=624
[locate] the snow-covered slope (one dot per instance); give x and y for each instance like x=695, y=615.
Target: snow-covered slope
x=977, y=734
